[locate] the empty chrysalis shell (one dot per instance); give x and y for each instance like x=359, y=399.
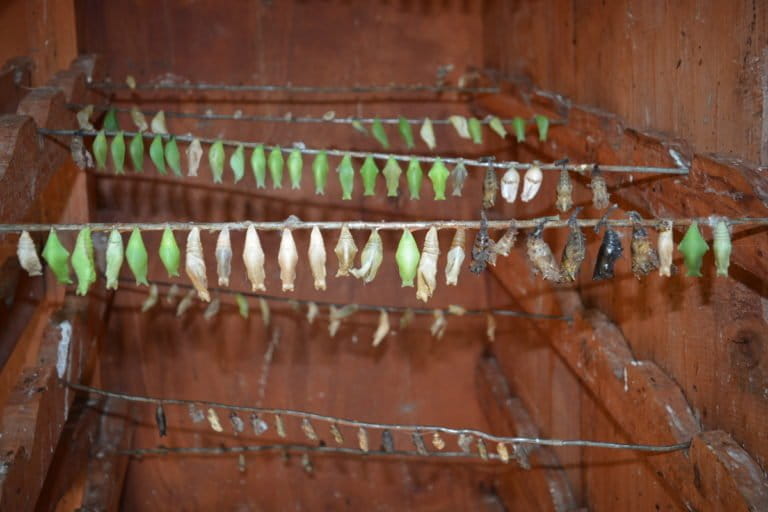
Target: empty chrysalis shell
x=574, y=252
x=275, y=164
x=490, y=327
x=564, y=192
x=83, y=117
x=497, y=126
x=345, y=251
x=518, y=125
x=185, y=303
x=212, y=310
x=213, y=420
x=392, y=174
x=243, y=307
x=158, y=123
x=540, y=255
x=317, y=257
x=503, y=452
x=407, y=258
x=57, y=257
x=382, y=329
x=475, y=130
x=279, y=427
x=722, y=247
x=137, y=258
x=308, y=429
x=157, y=154
x=295, y=165
x=117, y=148
x=369, y=171
x=216, y=160
x=82, y=261
x=114, y=258
x=693, y=246
x=490, y=188
x=172, y=156
x=666, y=247
x=542, y=123
x=414, y=176
x=455, y=309
x=137, y=116
x=346, y=176
x=336, y=315
x=531, y=183
x=482, y=247
x=320, y=172
x=610, y=251
x=407, y=318
x=458, y=176
x=645, y=259
x=481, y=449
x=362, y=439
x=27, y=255
x=455, y=258
x=287, y=258
x=312, y=312
x=439, y=324
x=195, y=264
x=378, y=132
x=427, y=134
x=438, y=175
x=510, y=182
x=194, y=156
x=100, y=150
x=336, y=434
x=253, y=258
x=259, y=166
x=437, y=441
x=600, y=197
x=503, y=245
x=223, y=257
x=387, y=441
x=404, y=128
x=151, y=299
x=370, y=258
x=237, y=162
x=426, y=278
x=460, y=125
x=136, y=152
x=266, y=314
x=418, y=442
x=169, y=252
x=80, y=156
x=160, y=420
x=465, y=442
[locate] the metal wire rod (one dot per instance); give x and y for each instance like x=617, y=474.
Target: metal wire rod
x=420, y=429
x=361, y=307
x=548, y=222
x=384, y=156
x=289, y=88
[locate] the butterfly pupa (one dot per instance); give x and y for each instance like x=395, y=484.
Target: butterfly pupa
x=320, y=172
x=362, y=439
x=407, y=258
x=336, y=315
x=160, y=420
x=465, y=443
x=253, y=258
x=237, y=162
x=575, y=250
x=172, y=156
x=266, y=314
x=237, y=423
x=427, y=134
x=407, y=318
x=438, y=175
x=308, y=429
x=336, y=434
x=387, y=441
x=258, y=425
x=378, y=132
x=216, y=160
x=460, y=125
x=722, y=247
x=645, y=259
x=482, y=247
x=458, y=176
x=100, y=150
x=382, y=329
x=80, y=155
x=418, y=442
x=173, y=291
x=481, y=449
x=346, y=176
x=130, y=81
x=404, y=127
x=426, y=278
x=157, y=154
x=83, y=261
x=243, y=308
x=83, y=117
x=540, y=255
x=475, y=130
x=317, y=257
x=510, y=182
x=194, y=156
x=212, y=309
x=693, y=246
x=117, y=149
x=110, y=123
x=169, y=252
x=279, y=426
x=275, y=164
x=185, y=303
x=137, y=258
x=564, y=192
x=503, y=245
x=610, y=250
x=287, y=258
x=259, y=166
x=345, y=252
x=114, y=257
x=195, y=264
x=600, y=197
x=27, y=255
x=437, y=441
x=312, y=312
x=666, y=248
x=368, y=172
x=490, y=327
x=370, y=258
x=151, y=300
x=531, y=183
x=414, y=176
x=542, y=124
x=136, y=152
x=359, y=127
x=295, y=166
x=223, y=257
x=503, y=452
x=497, y=126
x=455, y=258
x=213, y=420
x=157, y=124
x=439, y=324
x=490, y=188
x=139, y=121
x=455, y=309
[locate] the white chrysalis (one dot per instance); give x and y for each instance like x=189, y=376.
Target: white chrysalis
x=287, y=258
x=195, y=265
x=437, y=329
x=223, y=257
x=137, y=116
x=503, y=452
x=213, y=420
x=27, y=254
x=426, y=277
x=531, y=183
x=194, y=156
x=253, y=258
x=158, y=124
x=427, y=134
x=437, y=441
x=362, y=439
x=510, y=182
x=460, y=125
x=455, y=257
x=317, y=257
x=382, y=329
x=84, y=118
x=370, y=259
x=312, y=312
x=666, y=247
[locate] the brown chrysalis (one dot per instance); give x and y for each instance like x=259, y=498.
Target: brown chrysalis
x=160, y=420
x=540, y=255
x=645, y=259
x=574, y=252
x=481, y=250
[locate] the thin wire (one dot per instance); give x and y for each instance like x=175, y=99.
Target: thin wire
x=382, y=156
x=361, y=307
x=302, y=89
x=547, y=222
x=420, y=429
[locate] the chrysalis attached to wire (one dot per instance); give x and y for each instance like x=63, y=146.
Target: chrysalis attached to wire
x=114, y=257
x=439, y=324
x=645, y=259
x=137, y=258
x=666, y=246
x=600, y=197
x=460, y=125
x=312, y=312
x=152, y=298
x=308, y=429
x=510, y=182
x=243, y=308
x=83, y=261
x=458, y=176
x=518, y=125
x=540, y=255
x=117, y=149
x=407, y=318
x=275, y=163
x=426, y=278
x=481, y=449
x=320, y=172
x=503, y=245
x=481, y=249
x=157, y=154
x=258, y=425
x=490, y=327
x=531, y=183
x=722, y=247
x=212, y=309
x=437, y=441
x=503, y=452
x=253, y=258
x=158, y=124
x=137, y=116
x=57, y=257
x=172, y=156
x=455, y=258
x=195, y=264
x=213, y=420
x=194, y=156
x=160, y=420
x=185, y=303
x=237, y=162
x=465, y=443
x=216, y=160
x=223, y=257
x=27, y=255
x=83, y=117
x=170, y=295
x=100, y=150
x=169, y=252
x=392, y=174
x=475, y=130
x=237, y=423
x=369, y=171
x=542, y=123
x=418, y=442
x=564, y=191
x=279, y=426
x=497, y=126
x=378, y=132
x=317, y=257
x=382, y=329
x=336, y=315
x=370, y=258
x=387, y=441
x=575, y=250
x=610, y=250
x=259, y=166
x=693, y=246
x=407, y=258
x=438, y=175
x=136, y=152
x=295, y=165
x=490, y=188
x=362, y=439
x=345, y=251
x=414, y=176
x=406, y=133
x=266, y=314
x=346, y=177
x=427, y=134
x=287, y=258
x=336, y=434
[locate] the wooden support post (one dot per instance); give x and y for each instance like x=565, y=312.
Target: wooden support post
x=15, y=75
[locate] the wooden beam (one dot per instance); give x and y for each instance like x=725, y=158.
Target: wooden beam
x=15, y=76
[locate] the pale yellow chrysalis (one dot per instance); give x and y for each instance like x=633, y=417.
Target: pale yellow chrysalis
x=336, y=434
x=481, y=449
x=345, y=251
x=130, y=82
x=460, y=125
x=27, y=254
x=158, y=124
x=362, y=439
x=151, y=299
x=185, y=303
x=212, y=310
x=490, y=327
x=666, y=247
x=426, y=277
x=84, y=118
x=455, y=258
x=194, y=156
x=253, y=258
x=195, y=265
x=437, y=441
x=317, y=258
x=427, y=134
x=455, y=309
x=213, y=420
x=137, y=116
x=312, y=312
x=223, y=257
x=503, y=452
x=279, y=426
x=308, y=429
x=370, y=258
x=438, y=324
x=287, y=258
x=266, y=314
x=382, y=329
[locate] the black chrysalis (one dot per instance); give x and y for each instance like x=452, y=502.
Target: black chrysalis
x=481, y=250
x=575, y=250
x=160, y=420
x=610, y=250
x=645, y=259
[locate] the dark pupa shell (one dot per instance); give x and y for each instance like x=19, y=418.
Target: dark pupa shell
x=160, y=420
x=645, y=259
x=574, y=252
x=490, y=188
x=564, y=191
x=540, y=255
x=481, y=250
x=610, y=251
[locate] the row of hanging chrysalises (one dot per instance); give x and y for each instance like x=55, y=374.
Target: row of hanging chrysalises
x=414, y=265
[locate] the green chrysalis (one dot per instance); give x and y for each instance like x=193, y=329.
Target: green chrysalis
x=216, y=160
x=82, y=261
x=346, y=176
x=57, y=257
x=407, y=258
x=497, y=126
x=414, y=176
x=405, y=131
x=722, y=248
x=693, y=246
x=259, y=166
x=100, y=150
x=237, y=162
x=476, y=130
x=377, y=129
x=369, y=171
x=518, y=124
x=542, y=123
x=137, y=258
x=320, y=172
x=114, y=258
x=136, y=150
x=438, y=175
x=169, y=252
x=157, y=154
x=242, y=305
x=172, y=156
x=392, y=174
x=275, y=164
x=110, y=121
x=117, y=148
x=295, y=165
